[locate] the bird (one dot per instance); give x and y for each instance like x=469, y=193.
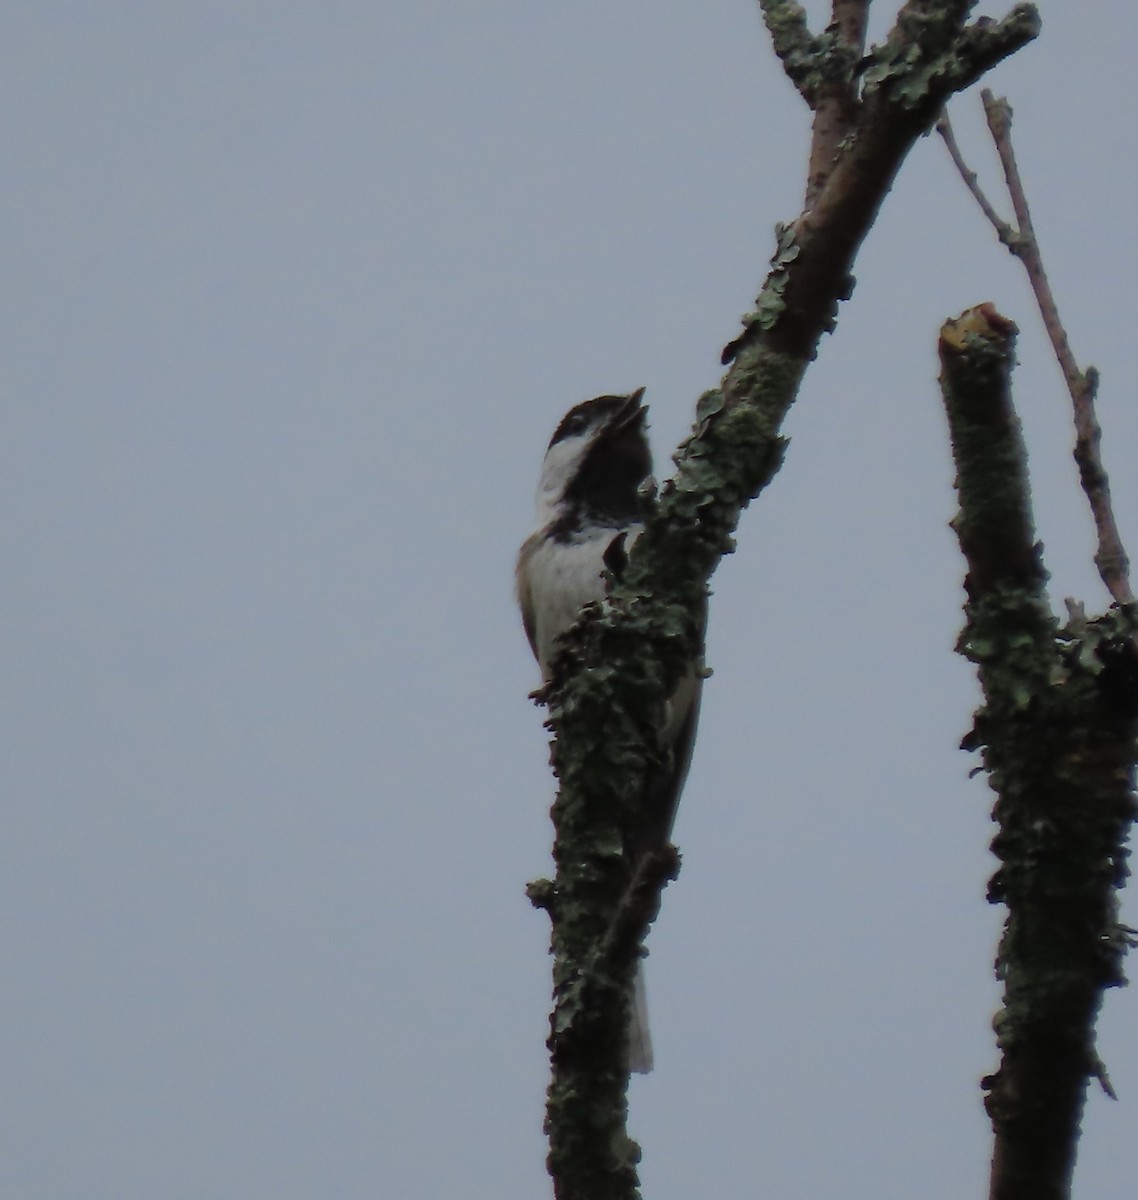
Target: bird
x=595, y=492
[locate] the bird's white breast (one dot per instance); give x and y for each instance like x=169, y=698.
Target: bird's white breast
x=562, y=577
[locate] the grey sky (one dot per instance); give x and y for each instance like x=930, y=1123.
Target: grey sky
x=294, y=295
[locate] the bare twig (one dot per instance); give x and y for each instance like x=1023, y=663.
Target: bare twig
x=1110, y=557
x=1026, y=247
x=1005, y=232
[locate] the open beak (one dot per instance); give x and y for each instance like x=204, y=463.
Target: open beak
x=632, y=411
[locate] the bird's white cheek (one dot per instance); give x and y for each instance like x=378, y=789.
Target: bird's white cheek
x=562, y=462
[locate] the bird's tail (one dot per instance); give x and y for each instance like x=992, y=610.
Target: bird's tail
x=639, y=1040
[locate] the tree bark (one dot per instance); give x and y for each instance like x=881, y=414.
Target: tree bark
x=1057, y=732
x=605, y=699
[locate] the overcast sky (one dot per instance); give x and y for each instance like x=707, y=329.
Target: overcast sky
x=294, y=296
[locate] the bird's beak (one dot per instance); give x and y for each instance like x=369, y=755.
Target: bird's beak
x=632, y=411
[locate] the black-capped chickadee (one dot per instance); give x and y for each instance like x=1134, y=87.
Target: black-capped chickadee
x=593, y=496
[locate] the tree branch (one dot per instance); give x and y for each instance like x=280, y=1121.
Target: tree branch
x=824, y=69
x=793, y=43
x=625, y=655
x=904, y=91
x=1110, y=558
x=1004, y=231
x=590, y=1026
x=836, y=103
x=1057, y=731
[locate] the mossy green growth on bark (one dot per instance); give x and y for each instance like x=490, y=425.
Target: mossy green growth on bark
x=1057, y=734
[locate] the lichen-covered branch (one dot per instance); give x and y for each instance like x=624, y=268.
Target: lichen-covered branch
x=825, y=69
x=605, y=699
x=590, y=1031
x=836, y=98
x=1057, y=732
x=906, y=84
x=793, y=42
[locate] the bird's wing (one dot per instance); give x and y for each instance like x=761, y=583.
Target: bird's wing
x=525, y=591
x=665, y=780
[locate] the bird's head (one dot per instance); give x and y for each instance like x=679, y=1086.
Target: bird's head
x=597, y=459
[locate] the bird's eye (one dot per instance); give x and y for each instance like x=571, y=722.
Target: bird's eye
x=573, y=424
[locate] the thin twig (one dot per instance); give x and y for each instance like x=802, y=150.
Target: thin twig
x=999, y=116
x=1110, y=557
x=1005, y=232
